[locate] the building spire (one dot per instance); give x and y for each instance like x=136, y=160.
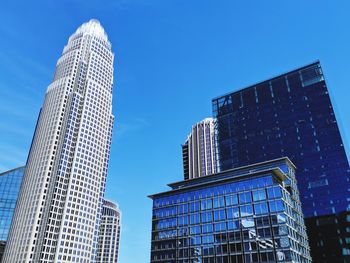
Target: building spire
x=93, y=27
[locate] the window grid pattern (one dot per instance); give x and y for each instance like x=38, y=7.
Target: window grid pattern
x=292, y=115
x=199, y=150
x=10, y=183
x=109, y=233
x=59, y=209
x=225, y=222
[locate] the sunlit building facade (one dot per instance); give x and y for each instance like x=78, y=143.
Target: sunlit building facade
x=199, y=150
x=292, y=115
x=10, y=183
x=109, y=234
x=58, y=212
x=247, y=214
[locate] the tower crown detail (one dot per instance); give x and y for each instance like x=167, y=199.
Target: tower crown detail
x=93, y=27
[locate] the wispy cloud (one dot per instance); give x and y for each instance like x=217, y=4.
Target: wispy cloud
x=7, y=109
x=12, y=156
x=121, y=129
x=7, y=31
x=16, y=129
x=113, y=4
x=24, y=71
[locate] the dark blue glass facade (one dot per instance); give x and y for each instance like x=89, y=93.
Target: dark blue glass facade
x=10, y=183
x=248, y=214
x=292, y=115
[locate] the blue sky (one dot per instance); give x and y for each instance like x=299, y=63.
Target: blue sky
x=171, y=59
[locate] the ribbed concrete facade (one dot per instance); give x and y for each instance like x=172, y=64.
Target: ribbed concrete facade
x=109, y=235
x=199, y=150
x=58, y=211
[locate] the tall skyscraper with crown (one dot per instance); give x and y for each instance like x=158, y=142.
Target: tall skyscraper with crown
x=58, y=211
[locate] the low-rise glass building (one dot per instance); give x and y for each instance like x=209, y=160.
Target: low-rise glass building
x=247, y=214
x=10, y=183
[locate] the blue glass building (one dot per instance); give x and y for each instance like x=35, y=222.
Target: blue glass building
x=10, y=183
x=292, y=115
x=247, y=214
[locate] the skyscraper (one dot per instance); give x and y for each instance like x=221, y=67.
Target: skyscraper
x=247, y=214
x=199, y=150
x=58, y=212
x=109, y=235
x=10, y=183
x=292, y=115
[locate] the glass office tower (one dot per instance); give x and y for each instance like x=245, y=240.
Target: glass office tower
x=247, y=214
x=10, y=183
x=292, y=115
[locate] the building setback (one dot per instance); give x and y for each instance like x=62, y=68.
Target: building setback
x=59, y=207
x=109, y=234
x=10, y=183
x=292, y=115
x=199, y=150
x=247, y=214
